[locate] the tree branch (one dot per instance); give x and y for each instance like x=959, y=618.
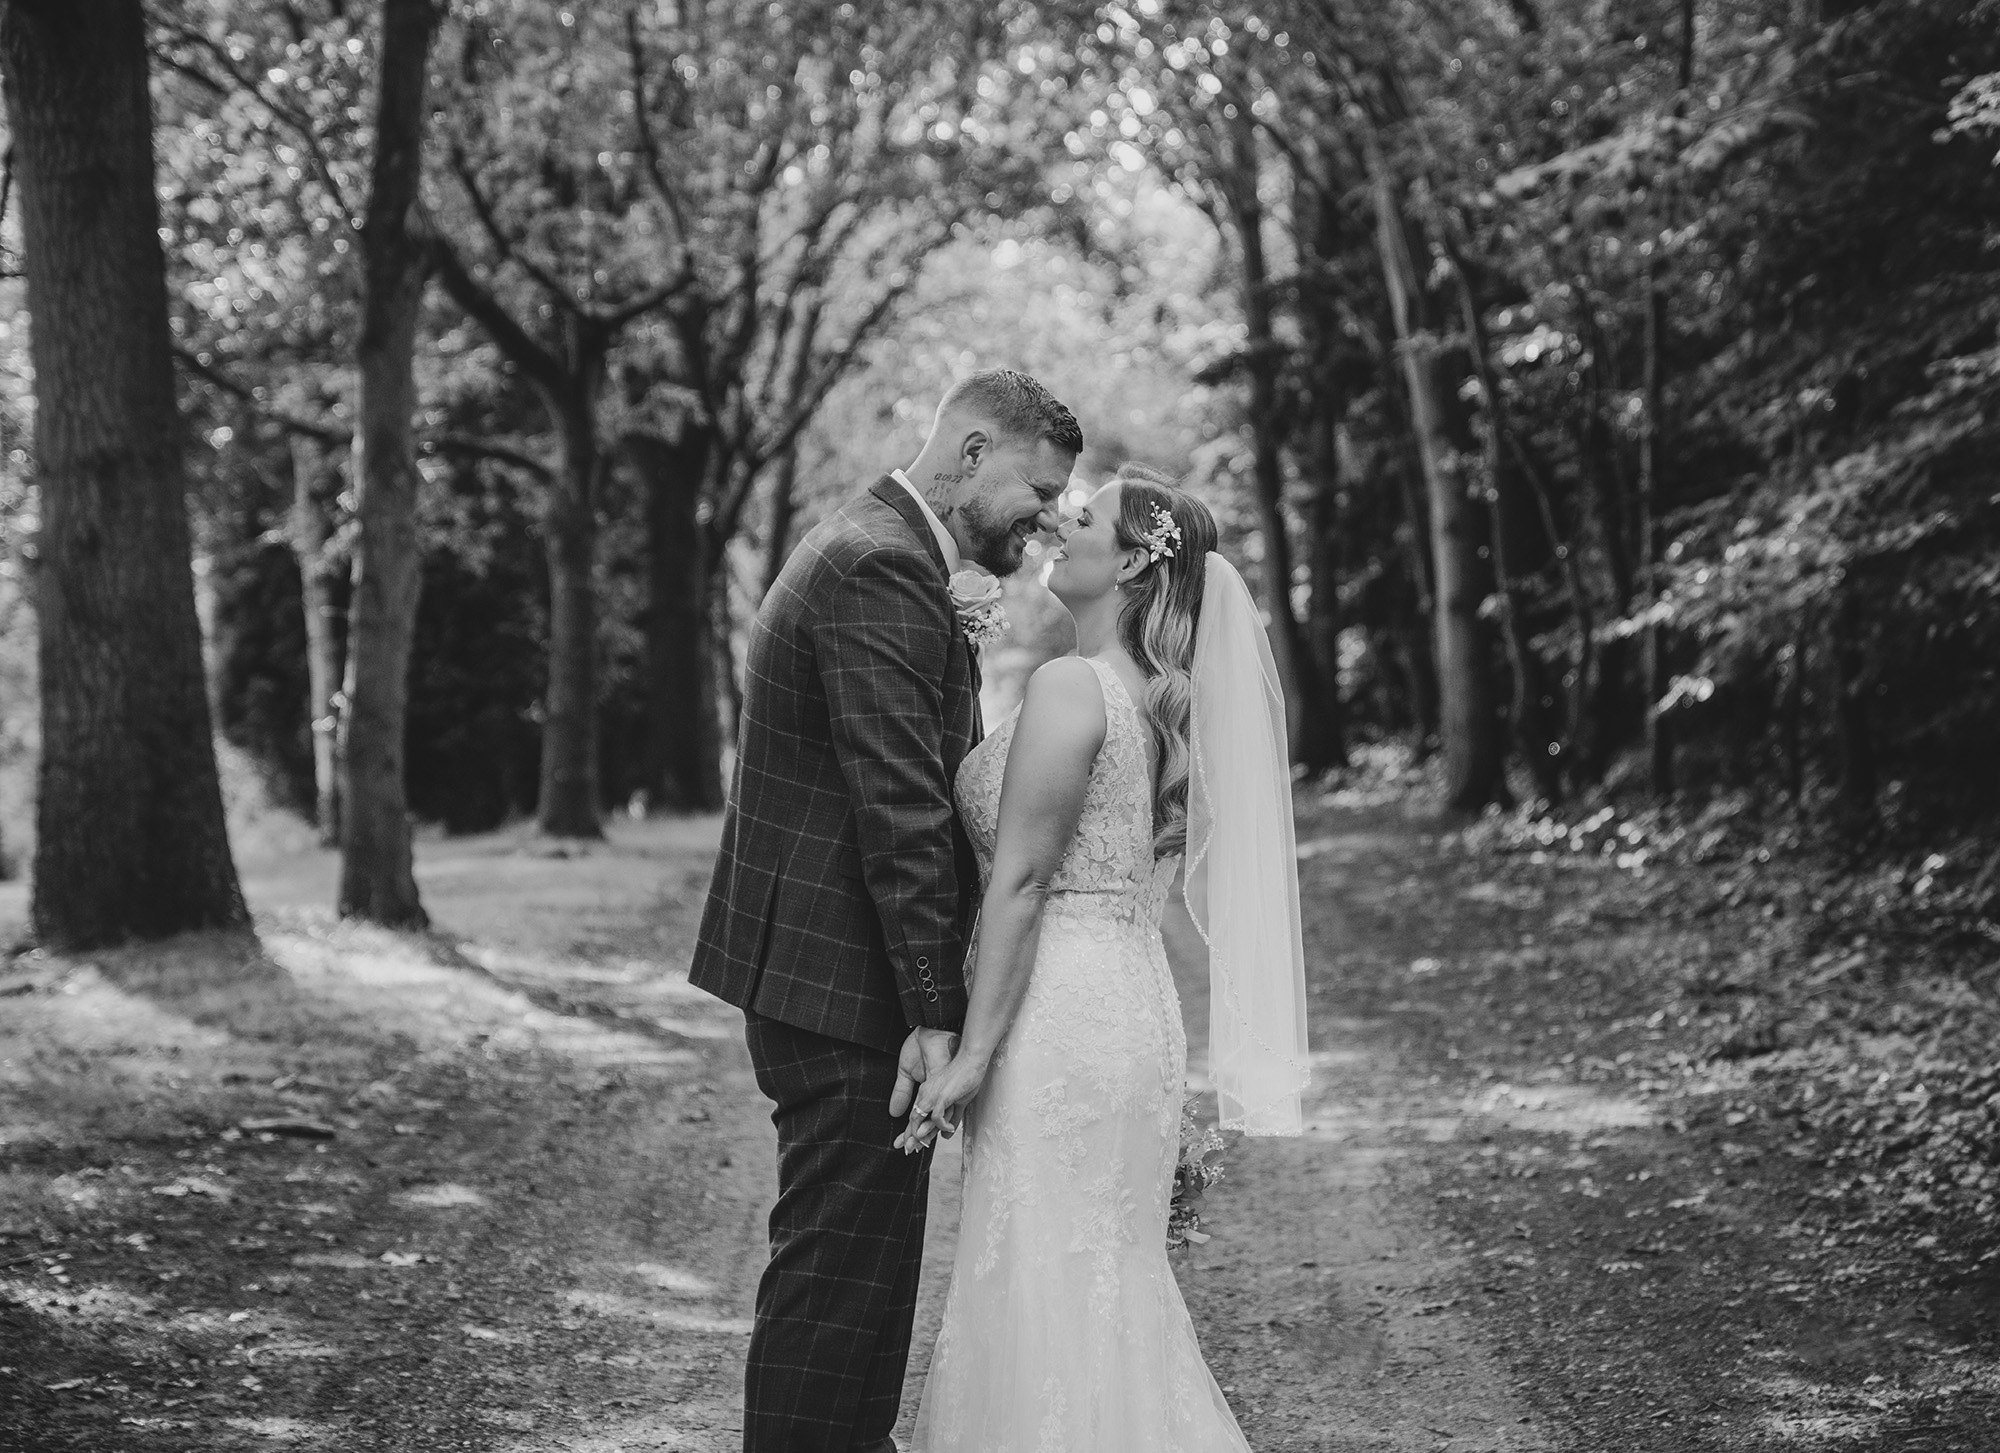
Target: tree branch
x=831, y=373
x=542, y=367
x=742, y=329
x=471, y=448
x=609, y=319
x=6, y=184
x=649, y=143
x=330, y=434
x=502, y=243
x=615, y=318
x=296, y=121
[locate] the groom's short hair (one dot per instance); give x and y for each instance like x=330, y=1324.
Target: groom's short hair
x=1018, y=404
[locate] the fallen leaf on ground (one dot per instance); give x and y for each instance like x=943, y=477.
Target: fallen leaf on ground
x=293, y=1127
x=193, y=1186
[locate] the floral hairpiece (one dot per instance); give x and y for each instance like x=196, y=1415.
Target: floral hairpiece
x=1163, y=541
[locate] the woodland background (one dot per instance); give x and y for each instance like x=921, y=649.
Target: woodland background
x=404, y=404
x=1605, y=393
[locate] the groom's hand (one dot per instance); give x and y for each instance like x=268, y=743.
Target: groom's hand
x=924, y=1053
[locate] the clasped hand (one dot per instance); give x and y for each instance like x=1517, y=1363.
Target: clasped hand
x=934, y=1084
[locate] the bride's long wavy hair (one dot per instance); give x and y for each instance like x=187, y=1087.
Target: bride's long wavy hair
x=1156, y=624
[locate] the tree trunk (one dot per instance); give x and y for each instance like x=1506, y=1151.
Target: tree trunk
x=784, y=513
x=1323, y=741
x=377, y=877
x=785, y=477
x=1416, y=639
x=1652, y=647
x=315, y=484
x=683, y=760
x=1263, y=354
x=567, y=377
x=1579, y=686
x=719, y=609
x=130, y=832
x=1474, y=755
x=1530, y=710
x=569, y=804
x=1605, y=714
x=1855, y=732
x=1417, y=645
x=1319, y=233
x=1295, y=676
x=1791, y=714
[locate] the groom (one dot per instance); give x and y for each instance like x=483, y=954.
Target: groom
x=838, y=917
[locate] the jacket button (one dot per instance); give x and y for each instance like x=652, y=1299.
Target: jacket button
x=922, y=962
x=931, y=994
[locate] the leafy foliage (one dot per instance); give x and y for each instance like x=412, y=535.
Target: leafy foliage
x=1726, y=269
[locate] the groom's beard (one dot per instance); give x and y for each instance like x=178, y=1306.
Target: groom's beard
x=995, y=545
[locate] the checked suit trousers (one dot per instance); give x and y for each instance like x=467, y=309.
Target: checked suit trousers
x=836, y=1303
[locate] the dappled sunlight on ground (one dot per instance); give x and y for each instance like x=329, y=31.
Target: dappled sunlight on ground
x=646, y=1309
x=443, y=1197
x=1560, y=1109
x=280, y=1430
x=503, y=1185
x=426, y=1090
x=674, y=1279
x=113, y=1305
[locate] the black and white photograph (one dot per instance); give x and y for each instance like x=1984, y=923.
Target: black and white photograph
x=906, y=726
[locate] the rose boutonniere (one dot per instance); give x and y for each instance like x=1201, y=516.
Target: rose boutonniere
x=975, y=595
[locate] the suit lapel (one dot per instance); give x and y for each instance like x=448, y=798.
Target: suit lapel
x=892, y=494
x=898, y=499
x=978, y=680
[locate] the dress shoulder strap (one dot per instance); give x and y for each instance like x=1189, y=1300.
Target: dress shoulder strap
x=1112, y=684
x=1123, y=719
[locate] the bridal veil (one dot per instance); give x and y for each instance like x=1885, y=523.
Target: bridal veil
x=1242, y=885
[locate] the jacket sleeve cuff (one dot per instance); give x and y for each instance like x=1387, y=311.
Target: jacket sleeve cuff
x=932, y=989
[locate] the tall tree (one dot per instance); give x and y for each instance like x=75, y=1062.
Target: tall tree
x=1474, y=750
x=1237, y=176
x=377, y=876
x=806, y=182
x=567, y=371
x=130, y=833
x=718, y=206
x=1659, y=726
x=321, y=559
x=1209, y=98
x=559, y=274
x=681, y=766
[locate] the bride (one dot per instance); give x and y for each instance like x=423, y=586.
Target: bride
x=1163, y=737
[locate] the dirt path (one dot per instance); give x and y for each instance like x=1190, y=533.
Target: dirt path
x=538, y=1222
x=1321, y=1300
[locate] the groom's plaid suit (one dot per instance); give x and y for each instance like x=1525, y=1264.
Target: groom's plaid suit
x=837, y=921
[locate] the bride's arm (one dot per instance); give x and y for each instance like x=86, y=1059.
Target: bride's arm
x=1058, y=736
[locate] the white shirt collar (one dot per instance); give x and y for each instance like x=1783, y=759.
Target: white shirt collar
x=945, y=542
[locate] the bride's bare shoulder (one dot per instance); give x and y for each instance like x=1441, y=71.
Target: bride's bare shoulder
x=1065, y=695
x=1067, y=678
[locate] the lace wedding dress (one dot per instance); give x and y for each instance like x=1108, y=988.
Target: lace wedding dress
x=1064, y=1331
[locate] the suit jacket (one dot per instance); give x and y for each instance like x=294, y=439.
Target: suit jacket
x=845, y=888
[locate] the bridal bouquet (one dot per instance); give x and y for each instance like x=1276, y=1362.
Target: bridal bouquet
x=1200, y=1167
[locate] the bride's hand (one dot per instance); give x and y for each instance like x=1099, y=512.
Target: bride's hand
x=941, y=1102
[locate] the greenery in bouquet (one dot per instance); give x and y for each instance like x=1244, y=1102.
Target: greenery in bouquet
x=1200, y=1167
